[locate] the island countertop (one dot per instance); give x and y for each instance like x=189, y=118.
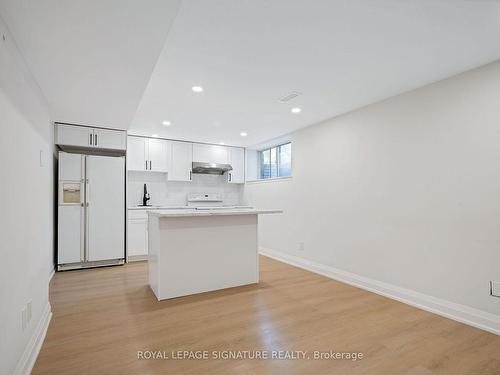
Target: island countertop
x=212, y=212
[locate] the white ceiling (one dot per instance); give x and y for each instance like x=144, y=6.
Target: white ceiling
x=341, y=55
x=93, y=59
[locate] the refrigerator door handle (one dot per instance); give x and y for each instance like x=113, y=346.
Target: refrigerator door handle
x=86, y=208
x=86, y=254
x=82, y=220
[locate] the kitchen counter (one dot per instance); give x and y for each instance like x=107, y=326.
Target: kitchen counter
x=157, y=207
x=200, y=250
x=211, y=212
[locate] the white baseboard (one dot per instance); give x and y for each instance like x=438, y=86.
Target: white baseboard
x=27, y=361
x=461, y=313
x=137, y=258
x=51, y=274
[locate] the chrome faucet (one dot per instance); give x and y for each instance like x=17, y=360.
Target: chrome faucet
x=145, y=196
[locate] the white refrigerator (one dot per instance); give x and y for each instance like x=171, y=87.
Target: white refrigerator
x=91, y=211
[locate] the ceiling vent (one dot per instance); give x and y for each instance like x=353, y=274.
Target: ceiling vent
x=291, y=95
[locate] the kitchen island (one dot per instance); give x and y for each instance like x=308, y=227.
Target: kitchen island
x=193, y=251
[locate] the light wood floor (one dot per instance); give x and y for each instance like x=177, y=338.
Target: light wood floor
x=102, y=317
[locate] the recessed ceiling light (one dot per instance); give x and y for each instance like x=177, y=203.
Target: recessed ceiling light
x=243, y=134
x=222, y=143
x=154, y=135
x=296, y=110
x=197, y=88
x=166, y=123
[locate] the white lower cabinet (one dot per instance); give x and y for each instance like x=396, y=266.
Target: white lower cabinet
x=137, y=235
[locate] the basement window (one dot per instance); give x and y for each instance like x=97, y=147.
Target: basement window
x=275, y=161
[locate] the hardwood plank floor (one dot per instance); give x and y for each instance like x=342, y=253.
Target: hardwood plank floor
x=103, y=317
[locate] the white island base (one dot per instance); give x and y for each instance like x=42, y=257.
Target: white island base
x=193, y=252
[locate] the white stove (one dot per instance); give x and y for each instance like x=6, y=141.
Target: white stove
x=205, y=200
x=223, y=208
x=209, y=201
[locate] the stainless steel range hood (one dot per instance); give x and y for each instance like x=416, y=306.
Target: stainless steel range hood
x=211, y=168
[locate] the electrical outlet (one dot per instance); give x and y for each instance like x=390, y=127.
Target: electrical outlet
x=42, y=158
x=26, y=315
x=301, y=246
x=24, y=318
x=28, y=311
x=495, y=288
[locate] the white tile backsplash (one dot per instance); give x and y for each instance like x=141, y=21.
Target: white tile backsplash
x=174, y=193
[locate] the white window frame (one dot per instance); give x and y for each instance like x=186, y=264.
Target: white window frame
x=259, y=161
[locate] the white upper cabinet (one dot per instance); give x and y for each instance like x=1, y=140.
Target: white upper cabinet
x=181, y=162
x=136, y=153
x=110, y=139
x=148, y=154
x=69, y=135
x=159, y=155
x=176, y=157
x=237, y=161
x=86, y=137
x=210, y=153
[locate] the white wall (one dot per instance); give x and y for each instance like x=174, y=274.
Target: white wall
x=404, y=192
x=174, y=193
x=26, y=201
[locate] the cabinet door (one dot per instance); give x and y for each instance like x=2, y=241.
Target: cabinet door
x=158, y=155
x=237, y=161
x=137, y=237
x=69, y=135
x=181, y=162
x=109, y=139
x=136, y=153
x=210, y=153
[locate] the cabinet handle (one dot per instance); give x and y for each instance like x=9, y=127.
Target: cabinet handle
x=95, y=139
x=90, y=141
x=146, y=165
x=190, y=176
x=150, y=163
x=230, y=177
